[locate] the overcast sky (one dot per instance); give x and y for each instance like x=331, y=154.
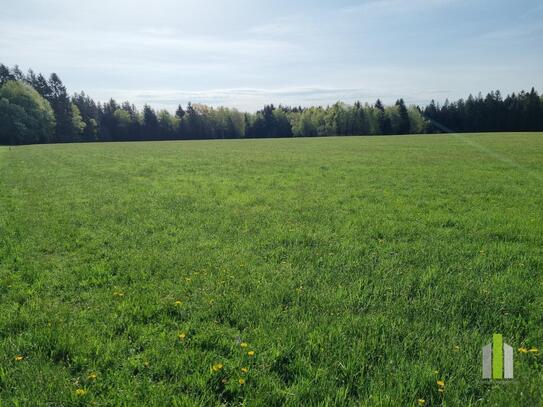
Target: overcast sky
x=245, y=53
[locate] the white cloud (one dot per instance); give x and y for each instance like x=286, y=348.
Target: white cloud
x=250, y=52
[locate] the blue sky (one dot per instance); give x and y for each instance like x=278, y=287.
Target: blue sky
x=245, y=53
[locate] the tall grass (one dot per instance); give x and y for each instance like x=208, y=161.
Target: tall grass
x=360, y=271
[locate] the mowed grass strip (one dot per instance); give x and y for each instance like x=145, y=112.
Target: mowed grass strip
x=332, y=271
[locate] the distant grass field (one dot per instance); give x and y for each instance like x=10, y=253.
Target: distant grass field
x=359, y=270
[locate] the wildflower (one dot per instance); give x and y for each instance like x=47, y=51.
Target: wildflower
x=251, y=353
x=421, y=402
x=243, y=344
x=244, y=369
x=80, y=392
x=92, y=376
x=118, y=294
x=533, y=350
x=523, y=350
x=18, y=358
x=217, y=367
x=178, y=302
x=241, y=381
x=182, y=336
x=441, y=386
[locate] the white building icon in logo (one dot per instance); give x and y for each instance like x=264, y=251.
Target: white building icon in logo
x=497, y=359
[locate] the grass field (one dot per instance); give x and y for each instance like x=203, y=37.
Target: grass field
x=331, y=271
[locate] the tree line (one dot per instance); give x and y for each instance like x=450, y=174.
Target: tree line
x=36, y=109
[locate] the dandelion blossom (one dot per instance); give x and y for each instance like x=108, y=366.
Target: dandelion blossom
x=80, y=392
x=92, y=376
x=251, y=353
x=421, y=402
x=244, y=369
x=18, y=358
x=241, y=381
x=182, y=336
x=217, y=367
x=243, y=344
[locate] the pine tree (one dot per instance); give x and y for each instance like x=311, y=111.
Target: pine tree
x=60, y=102
x=404, y=125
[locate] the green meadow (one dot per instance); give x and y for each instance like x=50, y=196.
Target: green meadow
x=318, y=271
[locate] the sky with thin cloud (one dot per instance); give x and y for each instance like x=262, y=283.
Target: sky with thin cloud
x=246, y=53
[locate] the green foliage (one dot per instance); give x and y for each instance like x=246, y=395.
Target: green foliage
x=167, y=124
x=308, y=123
x=392, y=115
x=25, y=117
x=360, y=270
x=91, y=121
x=62, y=106
x=404, y=124
x=78, y=124
x=89, y=114
x=270, y=122
x=417, y=124
x=517, y=112
x=123, y=118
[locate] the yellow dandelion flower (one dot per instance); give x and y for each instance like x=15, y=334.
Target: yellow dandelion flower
x=523, y=350
x=251, y=353
x=440, y=383
x=243, y=344
x=178, y=302
x=421, y=402
x=80, y=392
x=182, y=336
x=217, y=367
x=18, y=358
x=92, y=376
x=534, y=350
x=244, y=369
x=241, y=381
